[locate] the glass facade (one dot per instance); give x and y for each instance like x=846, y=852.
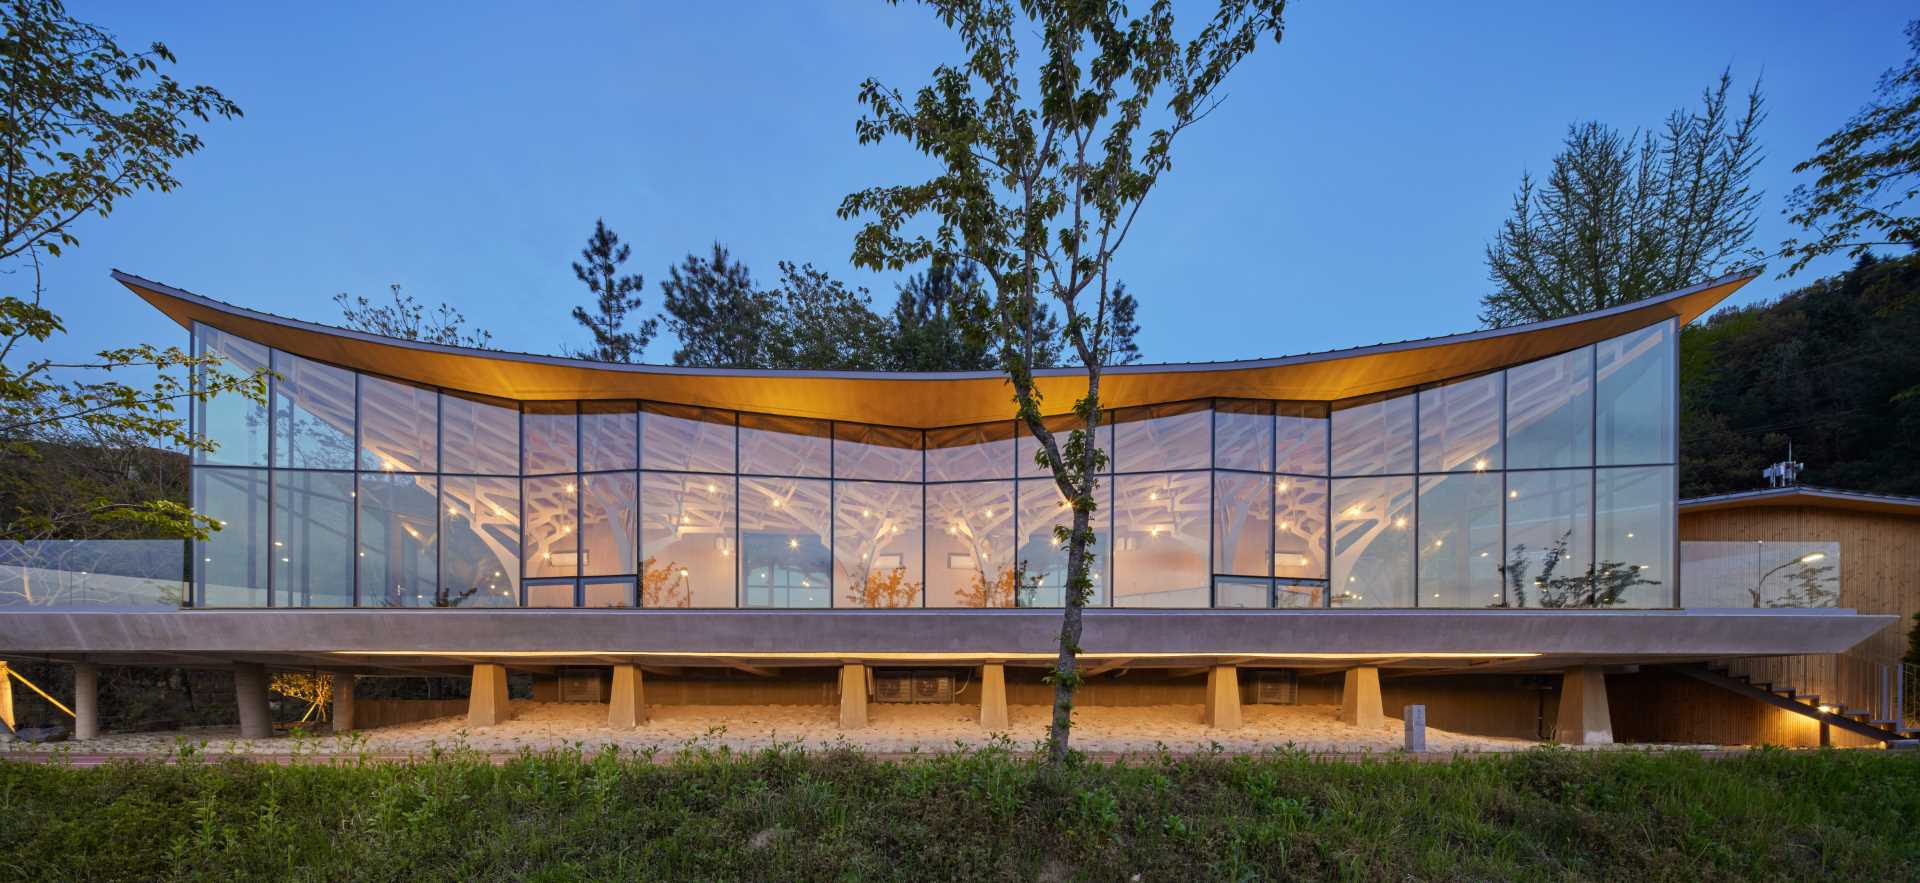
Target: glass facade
x=1548, y=484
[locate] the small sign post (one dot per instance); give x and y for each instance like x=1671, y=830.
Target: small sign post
x=1415, y=717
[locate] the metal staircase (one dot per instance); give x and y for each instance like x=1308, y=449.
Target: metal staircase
x=1853, y=720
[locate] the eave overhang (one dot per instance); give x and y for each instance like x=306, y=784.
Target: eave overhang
x=1802, y=496
x=928, y=400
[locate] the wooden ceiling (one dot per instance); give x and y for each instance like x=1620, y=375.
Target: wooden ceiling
x=932, y=400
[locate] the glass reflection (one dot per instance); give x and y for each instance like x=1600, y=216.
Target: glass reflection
x=313, y=539
x=607, y=436
x=965, y=453
x=236, y=425
x=1460, y=426
x=1373, y=436
x=550, y=594
x=876, y=452
x=1239, y=592
x=230, y=565
x=970, y=545
x=1300, y=528
x=1300, y=438
x=1635, y=378
x=312, y=414
x=549, y=437
x=1242, y=523
x=784, y=446
x=1549, y=539
x=783, y=542
x=876, y=544
x=606, y=593
x=1243, y=435
x=399, y=535
x=480, y=533
x=398, y=425
x=686, y=439
x=1042, y=555
x=1160, y=546
x=1550, y=412
x=1373, y=542
x=1175, y=436
x=479, y=436
x=1460, y=541
x=607, y=522
x=1633, y=526
x=687, y=540
x=550, y=541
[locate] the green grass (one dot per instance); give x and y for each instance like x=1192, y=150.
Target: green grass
x=792, y=815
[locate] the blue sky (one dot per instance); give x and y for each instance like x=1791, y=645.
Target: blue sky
x=1342, y=196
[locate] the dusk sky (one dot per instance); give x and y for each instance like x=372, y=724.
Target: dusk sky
x=1343, y=195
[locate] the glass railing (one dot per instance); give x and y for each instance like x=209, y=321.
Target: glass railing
x=60, y=574
x=1735, y=573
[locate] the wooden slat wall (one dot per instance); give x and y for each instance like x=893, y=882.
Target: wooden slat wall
x=1879, y=573
x=1658, y=706
x=1879, y=558
x=371, y=713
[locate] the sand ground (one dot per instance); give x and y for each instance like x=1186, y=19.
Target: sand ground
x=891, y=729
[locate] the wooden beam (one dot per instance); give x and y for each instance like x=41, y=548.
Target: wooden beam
x=1109, y=665
x=751, y=669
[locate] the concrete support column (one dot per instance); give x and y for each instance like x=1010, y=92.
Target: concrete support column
x=6, y=696
x=250, y=694
x=86, y=701
x=343, y=702
x=1223, y=697
x=1360, y=698
x=853, y=696
x=1584, y=718
x=487, y=696
x=993, y=696
x=627, y=707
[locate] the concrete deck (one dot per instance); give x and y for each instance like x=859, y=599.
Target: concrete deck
x=433, y=640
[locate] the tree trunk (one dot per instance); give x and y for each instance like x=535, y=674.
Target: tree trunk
x=1066, y=676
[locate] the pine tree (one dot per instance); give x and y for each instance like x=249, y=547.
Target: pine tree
x=720, y=320
x=1625, y=216
x=615, y=296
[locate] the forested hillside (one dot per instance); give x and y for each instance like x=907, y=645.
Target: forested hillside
x=1834, y=368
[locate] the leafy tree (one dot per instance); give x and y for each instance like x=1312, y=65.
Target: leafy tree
x=1625, y=216
x=1830, y=368
x=720, y=319
x=930, y=322
x=1869, y=174
x=818, y=323
x=615, y=295
x=88, y=124
x=1038, y=186
x=408, y=319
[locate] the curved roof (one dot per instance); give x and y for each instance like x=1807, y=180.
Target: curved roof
x=928, y=400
